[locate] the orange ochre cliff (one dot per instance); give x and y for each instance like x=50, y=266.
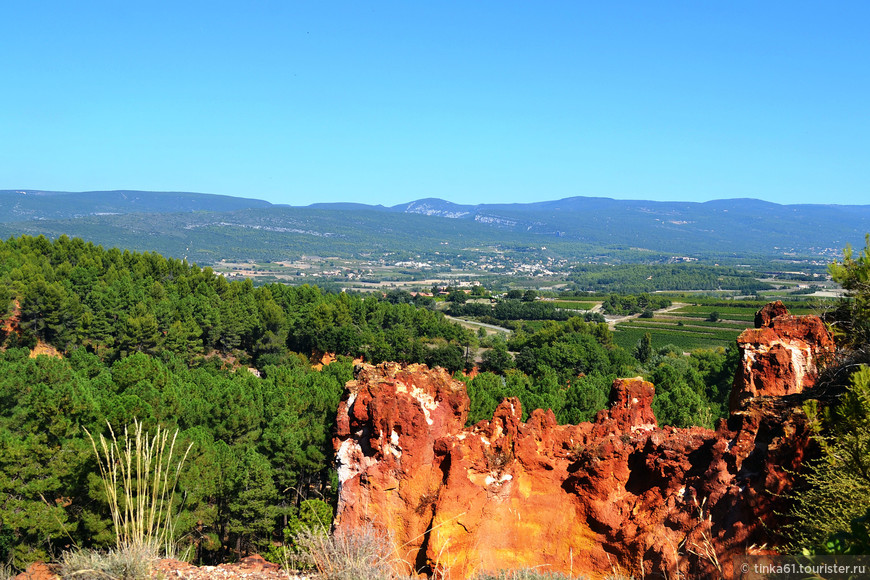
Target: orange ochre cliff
x=618, y=494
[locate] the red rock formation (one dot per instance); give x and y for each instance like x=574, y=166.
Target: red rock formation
x=618, y=493
x=768, y=312
x=780, y=356
x=38, y=571
x=389, y=423
x=11, y=323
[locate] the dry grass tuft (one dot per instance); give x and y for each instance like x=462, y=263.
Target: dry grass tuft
x=129, y=563
x=618, y=576
x=139, y=481
x=365, y=554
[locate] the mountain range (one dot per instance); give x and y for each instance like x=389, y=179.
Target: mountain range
x=206, y=227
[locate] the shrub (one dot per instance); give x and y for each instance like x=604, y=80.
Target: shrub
x=313, y=516
x=855, y=542
x=839, y=483
x=127, y=563
x=359, y=555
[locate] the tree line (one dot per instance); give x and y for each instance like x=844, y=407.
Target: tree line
x=115, y=303
x=645, y=278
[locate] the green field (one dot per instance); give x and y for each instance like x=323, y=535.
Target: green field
x=627, y=338
x=736, y=312
x=697, y=331
x=574, y=304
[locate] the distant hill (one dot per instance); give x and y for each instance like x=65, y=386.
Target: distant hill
x=30, y=204
x=207, y=228
x=738, y=224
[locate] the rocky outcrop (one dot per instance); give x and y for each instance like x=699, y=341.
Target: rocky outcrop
x=390, y=422
x=615, y=494
x=780, y=356
x=39, y=571
x=12, y=323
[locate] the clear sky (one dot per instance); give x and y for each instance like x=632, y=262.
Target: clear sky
x=471, y=101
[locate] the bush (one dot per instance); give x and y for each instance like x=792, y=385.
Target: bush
x=365, y=554
x=313, y=516
x=127, y=563
x=855, y=542
x=839, y=491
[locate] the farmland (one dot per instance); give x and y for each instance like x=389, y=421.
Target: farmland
x=692, y=326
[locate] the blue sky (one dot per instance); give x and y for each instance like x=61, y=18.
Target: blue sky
x=473, y=102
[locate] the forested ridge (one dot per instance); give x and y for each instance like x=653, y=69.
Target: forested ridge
x=115, y=303
x=167, y=343
x=576, y=228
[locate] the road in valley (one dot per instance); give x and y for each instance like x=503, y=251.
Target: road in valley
x=473, y=324
x=613, y=320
